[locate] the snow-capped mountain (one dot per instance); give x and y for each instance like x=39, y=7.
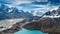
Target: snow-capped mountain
x=53, y=13
x=4, y=8
x=13, y=12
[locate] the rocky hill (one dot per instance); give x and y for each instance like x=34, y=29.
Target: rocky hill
x=48, y=25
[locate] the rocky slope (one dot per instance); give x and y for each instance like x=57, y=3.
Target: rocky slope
x=45, y=25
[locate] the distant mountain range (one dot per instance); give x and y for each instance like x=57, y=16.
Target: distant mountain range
x=9, y=13
x=13, y=12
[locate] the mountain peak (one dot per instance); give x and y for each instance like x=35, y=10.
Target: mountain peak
x=53, y=13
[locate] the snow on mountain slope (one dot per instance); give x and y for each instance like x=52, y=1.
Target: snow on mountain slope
x=54, y=13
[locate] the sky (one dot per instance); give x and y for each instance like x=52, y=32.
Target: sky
x=21, y=1
x=31, y=4
x=17, y=2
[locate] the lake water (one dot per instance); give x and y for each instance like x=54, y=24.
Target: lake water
x=25, y=31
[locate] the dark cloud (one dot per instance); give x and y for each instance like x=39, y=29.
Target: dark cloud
x=53, y=2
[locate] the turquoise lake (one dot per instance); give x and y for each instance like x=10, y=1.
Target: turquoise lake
x=25, y=31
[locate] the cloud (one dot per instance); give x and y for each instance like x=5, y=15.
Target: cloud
x=29, y=4
x=16, y=2
x=21, y=1
x=42, y=0
x=54, y=8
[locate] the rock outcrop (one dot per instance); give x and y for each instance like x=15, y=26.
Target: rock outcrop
x=48, y=25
